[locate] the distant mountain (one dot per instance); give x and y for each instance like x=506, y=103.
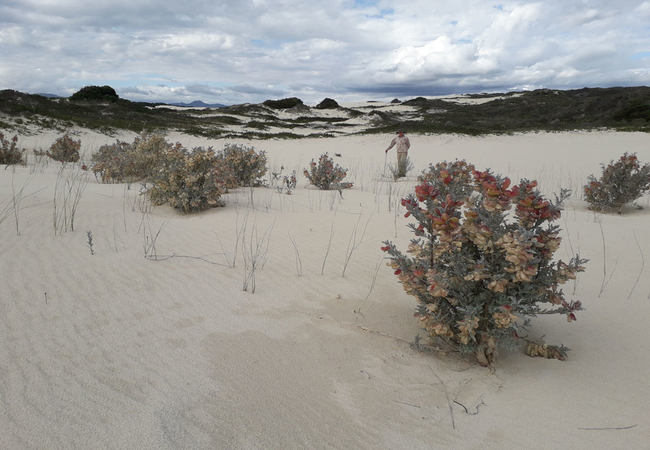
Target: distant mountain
x=198, y=104
x=48, y=95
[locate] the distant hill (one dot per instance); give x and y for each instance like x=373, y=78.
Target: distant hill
x=618, y=108
x=197, y=104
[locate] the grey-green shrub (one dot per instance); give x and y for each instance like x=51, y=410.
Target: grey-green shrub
x=326, y=175
x=146, y=154
x=121, y=161
x=189, y=181
x=403, y=167
x=111, y=162
x=242, y=165
x=621, y=182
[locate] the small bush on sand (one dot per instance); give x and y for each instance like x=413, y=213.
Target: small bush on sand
x=622, y=182
x=403, y=167
x=289, y=181
x=65, y=149
x=9, y=151
x=326, y=175
x=189, y=181
x=478, y=268
x=146, y=155
x=111, y=163
x=242, y=165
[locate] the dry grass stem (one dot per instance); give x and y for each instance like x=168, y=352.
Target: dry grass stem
x=352, y=242
x=150, y=238
x=374, y=278
x=329, y=245
x=254, y=251
x=606, y=279
x=451, y=410
x=69, y=187
x=642, y=264
x=298, y=260
x=239, y=231
x=17, y=197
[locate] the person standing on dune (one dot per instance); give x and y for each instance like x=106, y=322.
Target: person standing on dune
x=403, y=144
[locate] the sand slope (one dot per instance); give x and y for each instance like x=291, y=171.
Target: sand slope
x=118, y=351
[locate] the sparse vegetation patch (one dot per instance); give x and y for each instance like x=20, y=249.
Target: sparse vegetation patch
x=543, y=109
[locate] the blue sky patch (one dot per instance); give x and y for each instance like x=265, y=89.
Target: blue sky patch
x=365, y=3
x=640, y=55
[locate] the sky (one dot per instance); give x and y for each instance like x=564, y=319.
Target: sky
x=248, y=51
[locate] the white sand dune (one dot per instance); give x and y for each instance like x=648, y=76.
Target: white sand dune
x=113, y=350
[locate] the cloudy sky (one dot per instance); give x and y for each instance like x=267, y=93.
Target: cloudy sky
x=237, y=51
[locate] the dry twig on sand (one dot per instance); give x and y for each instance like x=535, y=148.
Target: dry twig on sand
x=608, y=428
x=451, y=410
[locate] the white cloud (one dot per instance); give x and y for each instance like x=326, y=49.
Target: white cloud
x=244, y=50
x=644, y=9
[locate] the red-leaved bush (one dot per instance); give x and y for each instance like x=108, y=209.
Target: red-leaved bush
x=9, y=151
x=65, y=149
x=482, y=260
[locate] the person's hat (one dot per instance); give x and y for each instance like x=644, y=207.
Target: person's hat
x=400, y=131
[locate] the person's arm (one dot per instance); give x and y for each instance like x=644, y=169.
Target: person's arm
x=408, y=143
x=392, y=144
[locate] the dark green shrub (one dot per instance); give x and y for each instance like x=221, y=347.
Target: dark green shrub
x=328, y=103
x=9, y=151
x=478, y=268
x=284, y=103
x=622, y=181
x=636, y=109
x=95, y=93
